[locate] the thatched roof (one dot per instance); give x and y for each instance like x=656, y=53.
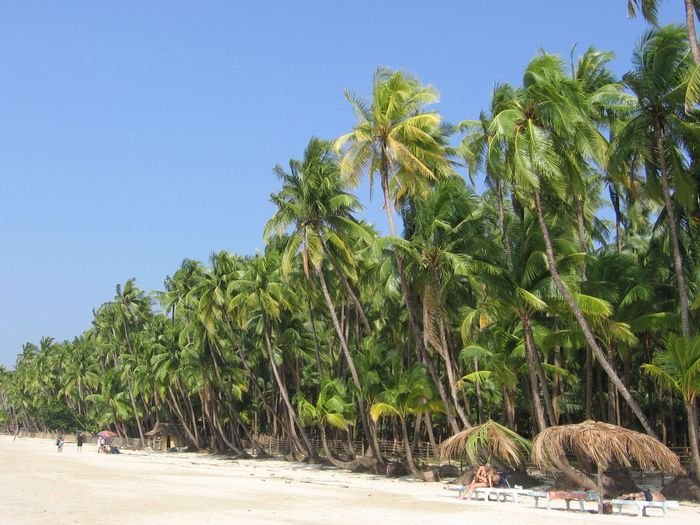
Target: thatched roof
x=604, y=444
x=163, y=428
x=483, y=442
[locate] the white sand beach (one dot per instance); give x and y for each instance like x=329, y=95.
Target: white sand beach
x=40, y=486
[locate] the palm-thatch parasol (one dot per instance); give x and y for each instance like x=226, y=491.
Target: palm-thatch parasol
x=483, y=442
x=603, y=444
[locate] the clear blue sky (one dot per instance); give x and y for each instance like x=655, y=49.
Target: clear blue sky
x=136, y=134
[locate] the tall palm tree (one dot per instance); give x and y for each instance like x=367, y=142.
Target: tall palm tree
x=398, y=140
x=661, y=133
x=258, y=297
x=541, y=113
x=314, y=203
x=650, y=10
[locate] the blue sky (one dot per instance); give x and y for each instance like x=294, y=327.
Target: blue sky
x=136, y=134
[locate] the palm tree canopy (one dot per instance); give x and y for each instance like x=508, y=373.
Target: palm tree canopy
x=604, y=444
x=483, y=442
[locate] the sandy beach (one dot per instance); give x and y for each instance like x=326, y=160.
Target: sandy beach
x=40, y=486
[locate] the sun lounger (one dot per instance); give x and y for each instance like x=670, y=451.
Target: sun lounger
x=502, y=494
x=568, y=497
x=643, y=505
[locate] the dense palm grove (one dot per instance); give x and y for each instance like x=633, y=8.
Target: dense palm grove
x=524, y=304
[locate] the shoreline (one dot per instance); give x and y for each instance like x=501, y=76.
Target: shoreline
x=41, y=486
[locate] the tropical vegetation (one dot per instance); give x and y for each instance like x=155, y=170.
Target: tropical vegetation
x=533, y=303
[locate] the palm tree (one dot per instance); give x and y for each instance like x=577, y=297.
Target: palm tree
x=661, y=134
x=677, y=367
x=331, y=409
x=411, y=394
x=650, y=9
x=397, y=139
x=446, y=254
x=258, y=297
x=314, y=202
x=542, y=112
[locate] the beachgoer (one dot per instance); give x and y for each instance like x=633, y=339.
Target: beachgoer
x=101, y=449
x=485, y=476
x=80, y=440
x=59, y=443
x=644, y=495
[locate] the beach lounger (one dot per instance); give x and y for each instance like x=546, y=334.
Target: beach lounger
x=643, y=505
x=568, y=497
x=502, y=494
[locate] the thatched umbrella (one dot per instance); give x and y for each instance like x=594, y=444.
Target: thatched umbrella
x=603, y=444
x=483, y=442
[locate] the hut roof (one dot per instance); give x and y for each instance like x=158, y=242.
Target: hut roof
x=604, y=444
x=483, y=442
x=163, y=428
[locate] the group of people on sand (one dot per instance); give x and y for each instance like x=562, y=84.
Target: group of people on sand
x=485, y=476
x=80, y=440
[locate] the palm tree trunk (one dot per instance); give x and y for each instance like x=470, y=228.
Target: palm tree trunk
x=673, y=232
x=329, y=455
x=538, y=413
x=312, y=321
x=450, y=371
x=409, y=453
x=693, y=435
x=612, y=412
x=690, y=24
x=172, y=402
x=583, y=323
x=589, y=383
x=539, y=370
x=581, y=231
x=505, y=240
x=429, y=365
x=351, y=293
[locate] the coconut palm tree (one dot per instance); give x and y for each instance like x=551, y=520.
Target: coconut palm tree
x=411, y=394
x=541, y=113
x=650, y=10
x=314, y=203
x=330, y=410
x=661, y=133
x=677, y=367
x=398, y=140
x=258, y=297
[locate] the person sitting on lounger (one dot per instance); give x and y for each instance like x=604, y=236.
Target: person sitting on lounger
x=485, y=476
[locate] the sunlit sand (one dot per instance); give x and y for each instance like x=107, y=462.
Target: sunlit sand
x=40, y=486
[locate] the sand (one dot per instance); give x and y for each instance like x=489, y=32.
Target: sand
x=40, y=486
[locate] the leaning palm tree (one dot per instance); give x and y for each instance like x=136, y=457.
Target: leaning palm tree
x=544, y=116
x=483, y=442
x=603, y=444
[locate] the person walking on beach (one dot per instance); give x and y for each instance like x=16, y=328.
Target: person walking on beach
x=60, y=443
x=80, y=440
x=101, y=445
